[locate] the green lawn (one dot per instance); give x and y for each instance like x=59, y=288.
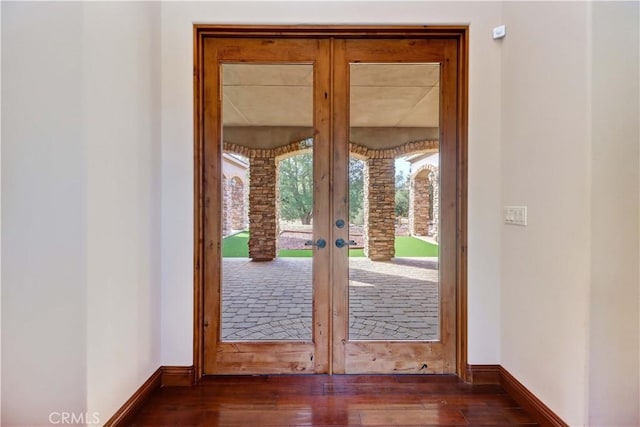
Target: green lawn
x=236, y=246
x=407, y=246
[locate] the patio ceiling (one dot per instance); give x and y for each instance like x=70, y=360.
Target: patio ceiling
x=382, y=95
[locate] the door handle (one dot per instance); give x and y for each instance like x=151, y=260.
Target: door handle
x=320, y=243
x=341, y=243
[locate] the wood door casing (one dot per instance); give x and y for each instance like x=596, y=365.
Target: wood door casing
x=251, y=357
x=397, y=356
x=207, y=197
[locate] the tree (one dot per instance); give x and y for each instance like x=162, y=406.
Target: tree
x=295, y=181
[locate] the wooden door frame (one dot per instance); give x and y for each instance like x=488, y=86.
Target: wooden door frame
x=458, y=33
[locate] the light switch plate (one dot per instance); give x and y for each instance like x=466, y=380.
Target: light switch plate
x=515, y=215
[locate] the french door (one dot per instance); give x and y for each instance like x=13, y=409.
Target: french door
x=329, y=176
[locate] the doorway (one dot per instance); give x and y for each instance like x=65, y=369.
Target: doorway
x=330, y=200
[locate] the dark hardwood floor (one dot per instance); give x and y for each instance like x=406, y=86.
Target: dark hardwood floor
x=339, y=400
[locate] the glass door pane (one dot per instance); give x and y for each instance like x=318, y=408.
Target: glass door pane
x=267, y=209
x=394, y=202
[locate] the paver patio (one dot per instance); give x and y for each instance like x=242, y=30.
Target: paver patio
x=394, y=300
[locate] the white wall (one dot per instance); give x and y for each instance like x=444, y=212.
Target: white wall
x=0, y=227
x=80, y=211
x=121, y=58
x=570, y=153
x=177, y=148
x=44, y=213
x=614, y=395
x=545, y=165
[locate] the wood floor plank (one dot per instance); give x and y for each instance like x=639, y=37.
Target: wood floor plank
x=321, y=400
x=492, y=416
x=464, y=401
x=279, y=417
x=413, y=417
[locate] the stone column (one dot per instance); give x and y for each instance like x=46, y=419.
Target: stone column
x=419, y=205
x=379, y=209
x=262, y=206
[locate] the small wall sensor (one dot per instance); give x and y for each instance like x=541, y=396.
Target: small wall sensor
x=499, y=32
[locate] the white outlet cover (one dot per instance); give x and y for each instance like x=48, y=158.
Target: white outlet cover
x=499, y=32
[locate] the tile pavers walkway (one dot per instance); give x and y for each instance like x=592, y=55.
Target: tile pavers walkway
x=395, y=300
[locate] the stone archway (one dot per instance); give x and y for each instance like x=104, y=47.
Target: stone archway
x=262, y=194
x=379, y=194
x=378, y=203
x=423, y=202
